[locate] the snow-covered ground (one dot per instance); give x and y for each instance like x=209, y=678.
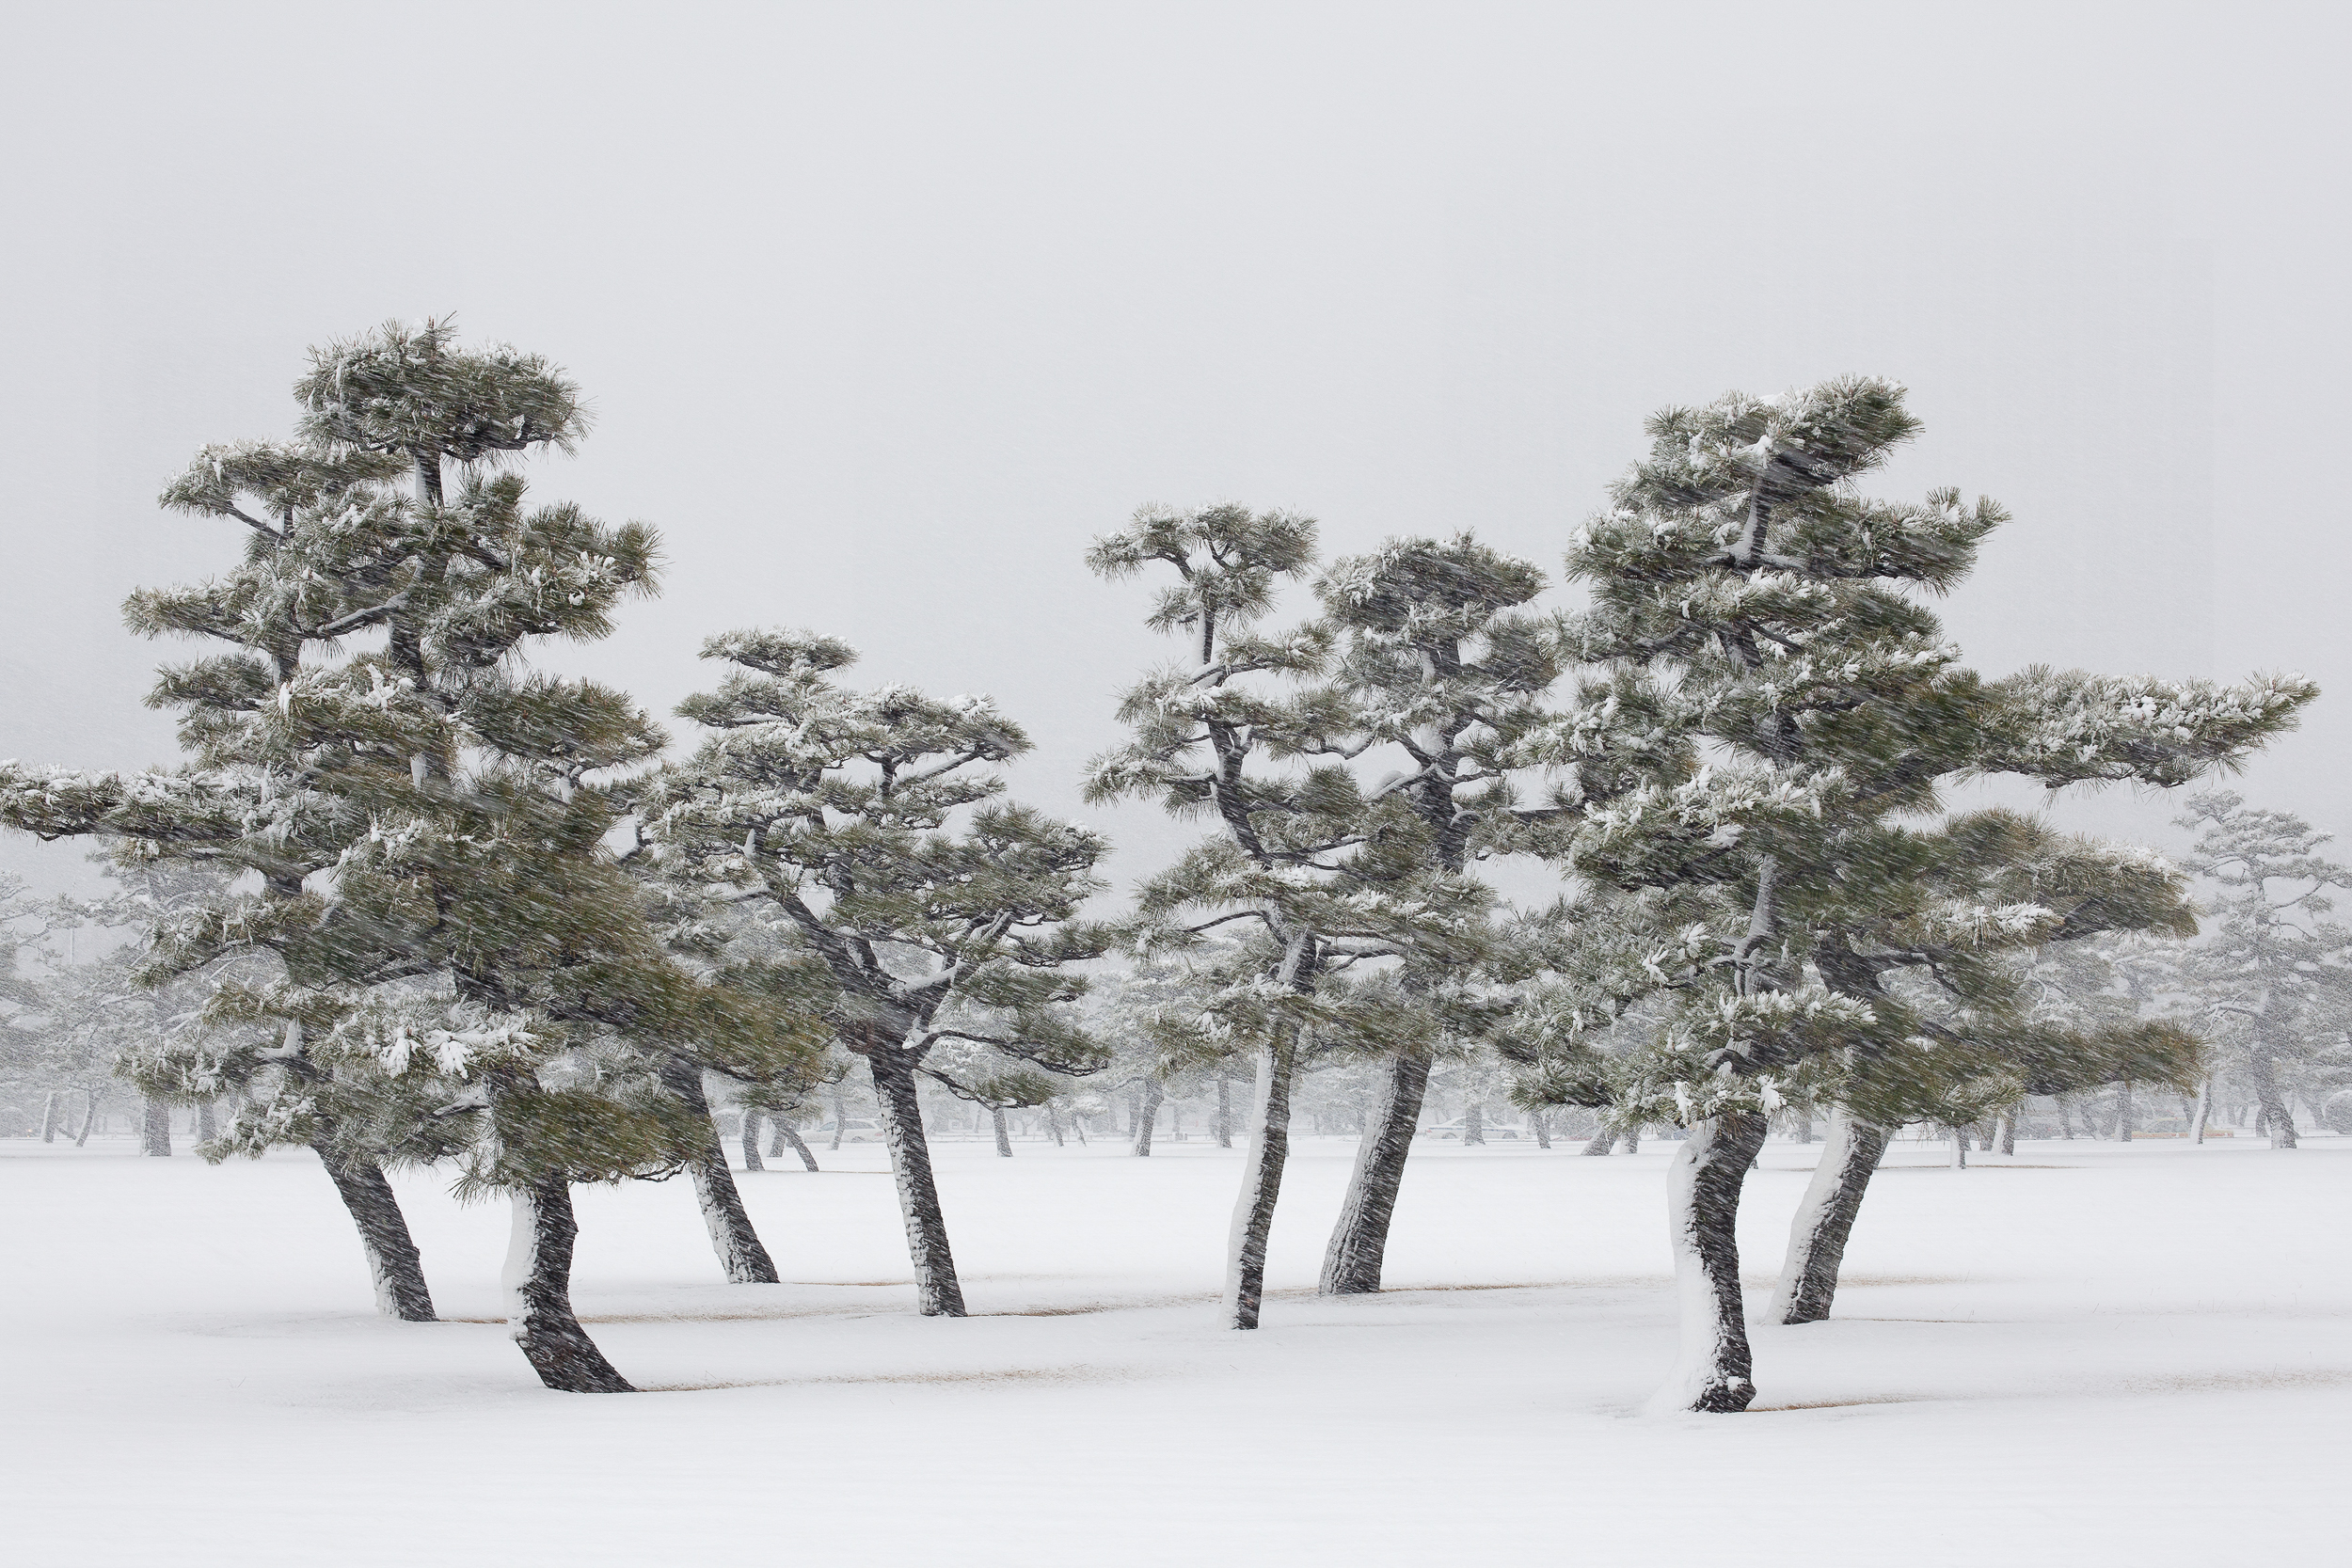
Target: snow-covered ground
x=2090, y=1354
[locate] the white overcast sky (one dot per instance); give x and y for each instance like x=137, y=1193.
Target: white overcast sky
x=885, y=309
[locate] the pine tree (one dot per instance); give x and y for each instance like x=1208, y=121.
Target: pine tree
x=1807, y=710
x=1295, y=862
x=911, y=909
x=1438, y=673
x=2272, y=980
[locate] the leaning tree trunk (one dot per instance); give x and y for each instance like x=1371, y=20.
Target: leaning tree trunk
x=791, y=1136
x=1265, y=1147
x=937, y=1291
x=1602, y=1141
x=840, y=1116
x=155, y=1128
x=741, y=1252
x=1359, y=1241
x=52, y=1117
x=1713, y=1370
x=1053, y=1124
x=538, y=1282
x=391, y=1252
x=1825, y=1216
x=751, y=1141
x=90, y=1118
x=1003, y=1139
x=2202, y=1112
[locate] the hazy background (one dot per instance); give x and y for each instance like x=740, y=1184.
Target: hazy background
x=885, y=310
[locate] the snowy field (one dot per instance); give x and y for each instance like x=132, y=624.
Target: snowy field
x=2087, y=1354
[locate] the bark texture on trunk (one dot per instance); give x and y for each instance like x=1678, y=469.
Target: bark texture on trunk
x=1824, y=1220
x=538, y=1282
x=751, y=1141
x=1541, y=1124
x=791, y=1136
x=1266, y=1145
x=2008, y=1139
x=1473, y=1123
x=393, y=1265
x=1003, y=1139
x=1359, y=1241
x=741, y=1255
x=2201, y=1113
x=155, y=1128
x=1224, y=1112
x=1143, y=1114
x=937, y=1291
x=1601, y=1142
x=2123, y=1113
x=1713, y=1371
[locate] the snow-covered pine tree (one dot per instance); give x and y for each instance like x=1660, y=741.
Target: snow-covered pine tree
x=2272, y=979
x=1814, y=707
x=911, y=909
x=1437, y=675
x=1220, y=734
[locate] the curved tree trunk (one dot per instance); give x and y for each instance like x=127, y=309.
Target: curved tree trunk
x=775, y=1136
x=2276, y=1119
x=741, y=1252
x=1266, y=1147
x=840, y=1116
x=1053, y=1124
x=538, y=1282
x=1359, y=1241
x=1824, y=1220
x=2202, y=1112
x=1004, y=1140
x=1713, y=1370
x=393, y=1263
x=155, y=1128
x=52, y=1118
x=937, y=1291
x=1144, y=1114
x=791, y=1134
x=1602, y=1141
x=90, y=1118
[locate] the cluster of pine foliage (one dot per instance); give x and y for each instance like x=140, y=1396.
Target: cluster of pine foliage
x=410, y=901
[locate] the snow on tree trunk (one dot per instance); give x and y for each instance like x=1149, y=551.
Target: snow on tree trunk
x=1960, y=1147
x=155, y=1128
x=1053, y=1124
x=394, y=1264
x=1601, y=1142
x=1541, y=1125
x=1824, y=1220
x=90, y=1118
x=1712, y=1370
x=538, y=1285
x=1143, y=1114
x=1359, y=1241
x=840, y=1117
x=2276, y=1120
x=2008, y=1139
x=206, y=1128
x=791, y=1136
x=52, y=1114
x=2123, y=1112
x=1632, y=1138
x=1265, y=1147
x=741, y=1253
x=1224, y=1112
x=2202, y=1112
x=1803, y=1133
x=1474, y=1122
x=1004, y=1141
x=937, y=1291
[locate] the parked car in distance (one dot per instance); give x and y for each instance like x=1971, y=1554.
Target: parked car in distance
x=1456, y=1130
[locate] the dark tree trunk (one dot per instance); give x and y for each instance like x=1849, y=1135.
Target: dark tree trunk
x=741, y=1252
x=1824, y=1221
x=155, y=1128
x=1352, y=1263
x=791, y=1134
x=751, y=1141
x=1266, y=1148
x=1004, y=1140
x=538, y=1280
x=1144, y=1114
x=394, y=1264
x=1713, y=1371
x=937, y=1291
x=1224, y=1112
